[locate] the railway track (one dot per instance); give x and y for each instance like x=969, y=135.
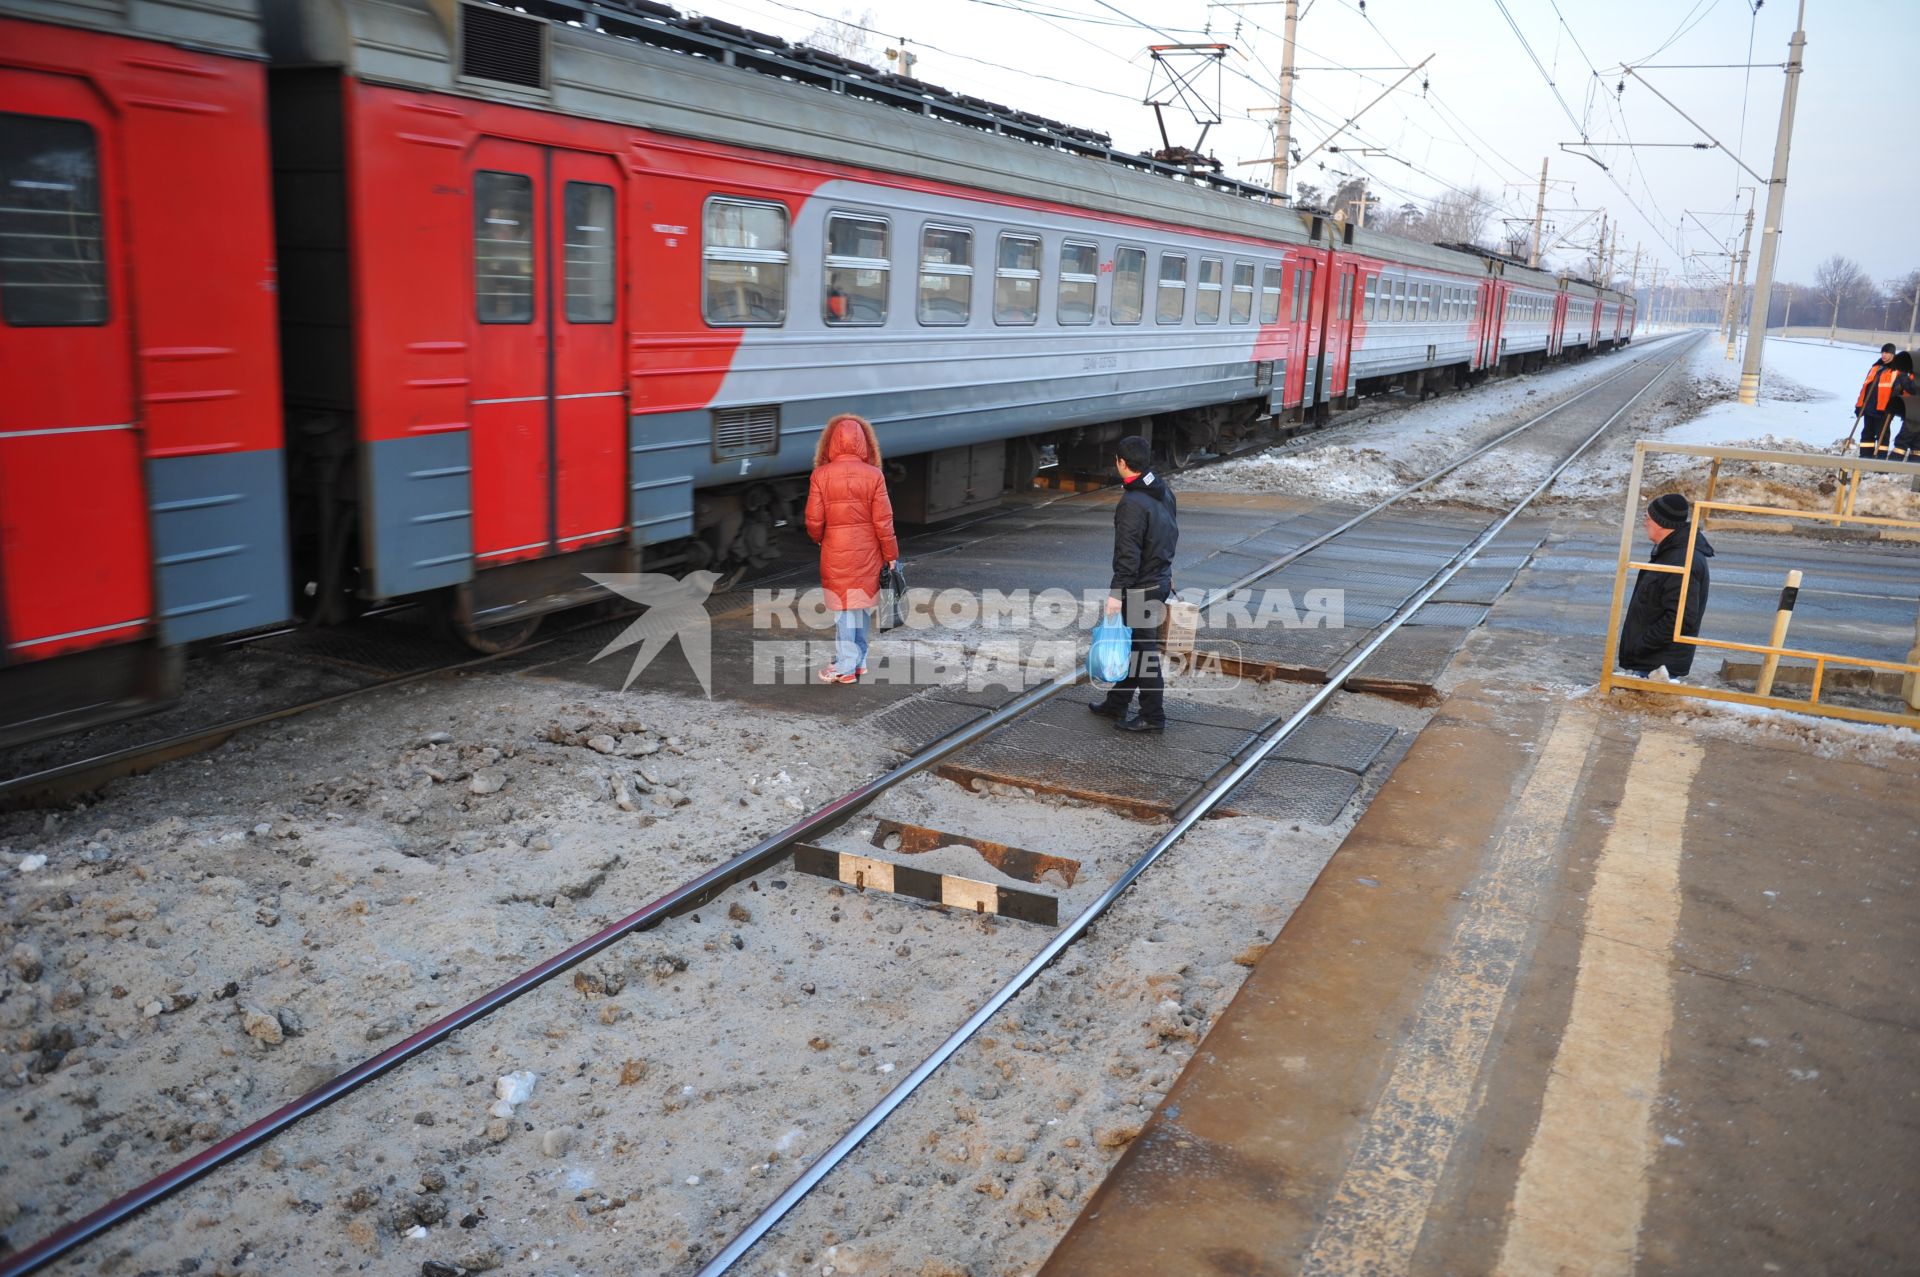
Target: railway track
x=393, y=662
x=1634, y=381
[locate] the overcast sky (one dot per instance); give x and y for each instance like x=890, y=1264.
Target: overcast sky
x=1487, y=114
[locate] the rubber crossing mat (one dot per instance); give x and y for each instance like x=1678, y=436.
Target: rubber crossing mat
x=1347, y=743
x=1288, y=790
x=912, y=725
x=1410, y=662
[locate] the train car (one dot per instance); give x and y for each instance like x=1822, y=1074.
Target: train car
x=1530, y=304
x=1580, y=327
x=1421, y=312
x=605, y=295
x=141, y=493
x=573, y=286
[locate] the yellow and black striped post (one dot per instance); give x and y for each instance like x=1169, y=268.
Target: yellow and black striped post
x=1788, y=597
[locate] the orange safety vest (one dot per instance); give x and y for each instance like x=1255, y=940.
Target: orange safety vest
x=1881, y=381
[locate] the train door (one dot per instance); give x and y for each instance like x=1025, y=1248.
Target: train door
x=75, y=567
x=548, y=398
x=1339, y=329
x=1292, y=314
x=1306, y=329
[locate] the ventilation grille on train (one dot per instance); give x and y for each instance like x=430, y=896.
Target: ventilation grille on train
x=746, y=432
x=508, y=48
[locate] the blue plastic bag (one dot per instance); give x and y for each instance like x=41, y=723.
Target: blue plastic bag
x=1110, y=652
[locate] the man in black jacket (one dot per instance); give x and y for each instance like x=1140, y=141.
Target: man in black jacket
x=1646, y=632
x=1146, y=531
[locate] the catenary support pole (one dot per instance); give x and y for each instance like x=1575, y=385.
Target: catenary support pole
x=1776, y=200
x=1539, y=216
x=1283, y=119
x=1740, y=286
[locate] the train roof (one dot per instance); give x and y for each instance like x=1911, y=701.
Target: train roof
x=217, y=26
x=633, y=75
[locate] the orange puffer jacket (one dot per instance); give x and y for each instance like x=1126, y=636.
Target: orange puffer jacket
x=849, y=514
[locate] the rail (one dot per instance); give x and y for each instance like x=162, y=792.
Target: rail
x=698, y=891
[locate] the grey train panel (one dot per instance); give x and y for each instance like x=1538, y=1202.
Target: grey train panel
x=219, y=542
x=222, y=26
x=420, y=506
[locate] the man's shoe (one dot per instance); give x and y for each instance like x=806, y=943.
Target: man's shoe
x=1138, y=724
x=1105, y=710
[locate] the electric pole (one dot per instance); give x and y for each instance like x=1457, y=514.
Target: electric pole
x=1539, y=216
x=1283, y=118
x=1776, y=198
x=1613, y=257
x=1653, y=299
x=1740, y=285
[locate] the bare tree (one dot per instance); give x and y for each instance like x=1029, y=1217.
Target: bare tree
x=1838, y=280
x=1456, y=217
x=849, y=36
x=1905, y=291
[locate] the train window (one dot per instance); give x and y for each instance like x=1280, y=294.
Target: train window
x=1129, y=285
x=1270, y=294
x=1170, y=305
x=503, y=248
x=53, y=270
x=1206, y=303
x=1299, y=290
x=1240, y=308
x=1367, y=299
x=589, y=252
x=1426, y=301
x=745, y=257
x=1400, y=311
x=1206, y=307
x=857, y=271
x=946, y=275
x=1016, y=280
x=1079, y=276
x=1346, y=295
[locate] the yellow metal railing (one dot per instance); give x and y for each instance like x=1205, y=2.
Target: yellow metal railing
x=1841, y=515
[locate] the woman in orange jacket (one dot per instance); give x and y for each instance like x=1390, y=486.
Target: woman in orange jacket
x=850, y=515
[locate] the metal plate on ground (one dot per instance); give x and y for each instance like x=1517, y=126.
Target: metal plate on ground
x=1097, y=744
x=1464, y=615
x=913, y=725
x=1217, y=570
x=1141, y=793
x=1476, y=584
x=1071, y=713
x=990, y=697
x=1410, y=661
x=1295, y=655
x=1287, y=790
x=1347, y=743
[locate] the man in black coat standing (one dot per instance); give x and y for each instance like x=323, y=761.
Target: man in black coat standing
x=1146, y=531
x=1646, y=631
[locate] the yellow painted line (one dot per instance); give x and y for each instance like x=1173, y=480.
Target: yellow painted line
x=1375, y=1215
x=1583, y=1180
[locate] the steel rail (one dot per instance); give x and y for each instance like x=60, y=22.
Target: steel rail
x=820, y=1167
x=688, y=896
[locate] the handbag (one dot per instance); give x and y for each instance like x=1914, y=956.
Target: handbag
x=889, y=605
x=1110, y=652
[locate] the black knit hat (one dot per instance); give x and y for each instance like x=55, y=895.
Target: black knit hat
x=1669, y=511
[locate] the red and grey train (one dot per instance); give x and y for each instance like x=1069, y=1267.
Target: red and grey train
x=306, y=304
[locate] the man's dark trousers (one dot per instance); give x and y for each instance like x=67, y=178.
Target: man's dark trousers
x=1142, y=610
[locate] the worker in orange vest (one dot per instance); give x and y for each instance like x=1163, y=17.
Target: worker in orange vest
x=1880, y=396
